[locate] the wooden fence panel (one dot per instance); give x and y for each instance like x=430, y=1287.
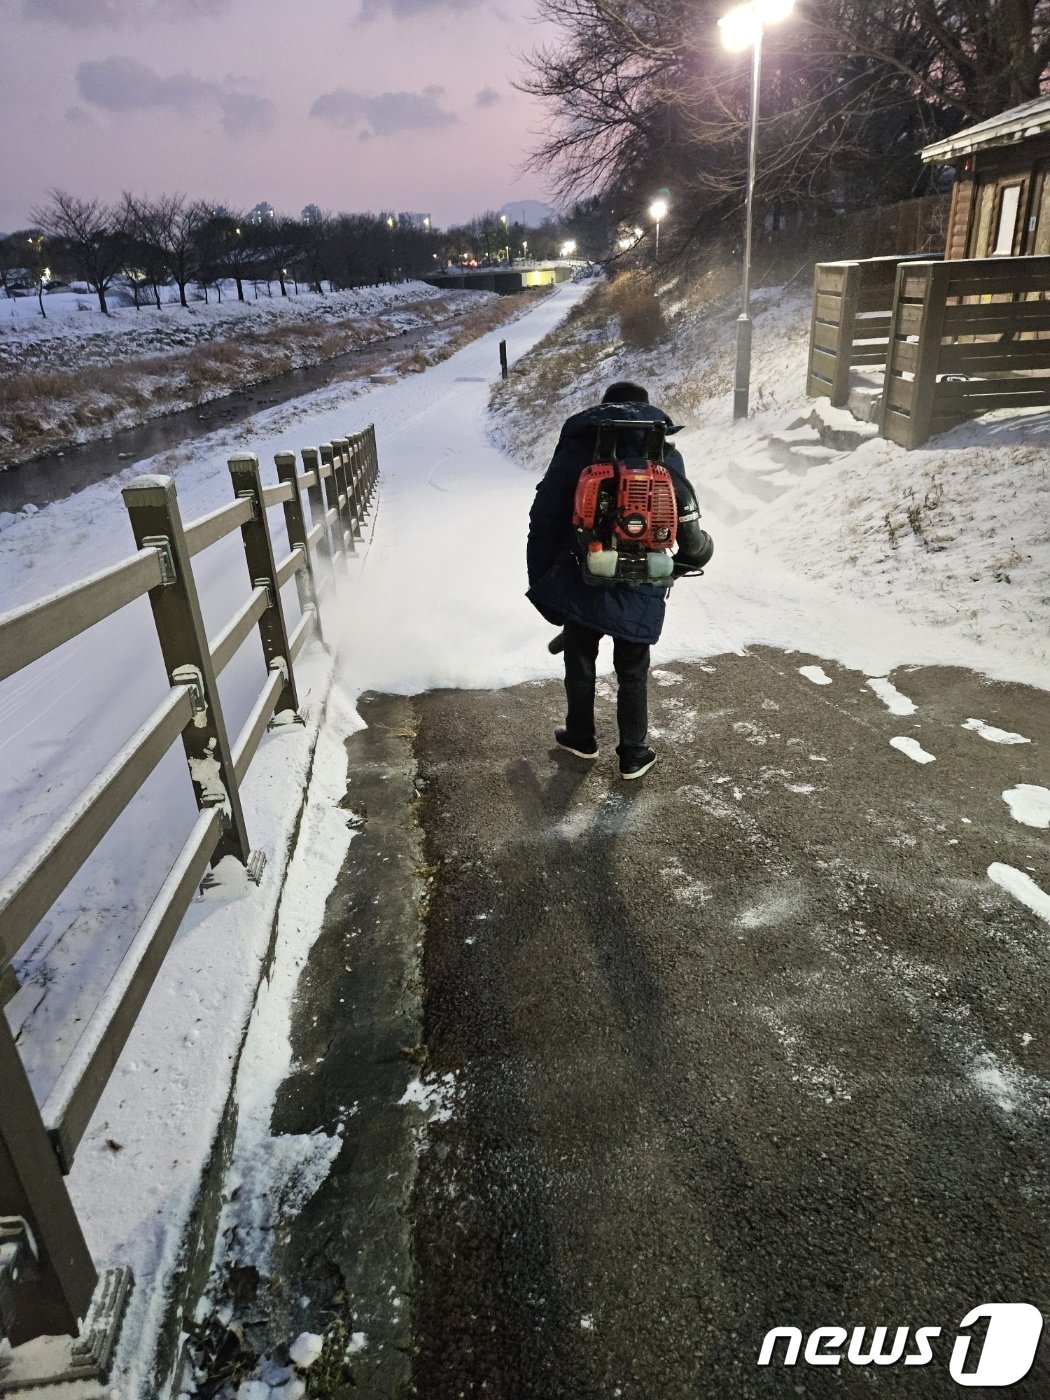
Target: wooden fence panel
x=52, y=1294
x=851, y=321
x=963, y=344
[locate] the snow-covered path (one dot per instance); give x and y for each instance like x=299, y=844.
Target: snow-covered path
x=64, y=717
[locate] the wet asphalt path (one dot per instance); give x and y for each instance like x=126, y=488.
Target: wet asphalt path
x=754, y=1042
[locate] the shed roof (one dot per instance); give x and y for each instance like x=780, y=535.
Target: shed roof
x=1007, y=129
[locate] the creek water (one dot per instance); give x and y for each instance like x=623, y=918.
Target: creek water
x=55, y=475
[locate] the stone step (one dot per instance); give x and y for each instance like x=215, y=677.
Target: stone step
x=803, y=458
x=763, y=485
x=836, y=428
x=724, y=502
x=865, y=403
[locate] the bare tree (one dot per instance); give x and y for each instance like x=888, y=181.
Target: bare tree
x=169, y=227
x=210, y=246
x=89, y=234
x=243, y=254
x=322, y=241
x=642, y=95
x=976, y=57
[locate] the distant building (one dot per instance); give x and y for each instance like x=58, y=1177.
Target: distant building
x=1001, y=195
x=263, y=213
x=311, y=215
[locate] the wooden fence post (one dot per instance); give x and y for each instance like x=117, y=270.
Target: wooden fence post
x=504, y=371
x=922, y=390
x=295, y=524
x=154, y=510
x=318, y=508
x=353, y=447
x=345, y=452
x=331, y=486
x=262, y=572
x=52, y=1291
x=342, y=456
x=847, y=329
x=931, y=332
x=373, y=459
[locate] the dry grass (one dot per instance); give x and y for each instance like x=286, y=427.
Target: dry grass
x=633, y=298
x=46, y=409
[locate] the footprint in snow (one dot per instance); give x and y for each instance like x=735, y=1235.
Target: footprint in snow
x=913, y=749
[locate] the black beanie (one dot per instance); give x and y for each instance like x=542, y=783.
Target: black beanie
x=625, y=392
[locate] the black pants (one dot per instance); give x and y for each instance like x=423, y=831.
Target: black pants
x=631, y=663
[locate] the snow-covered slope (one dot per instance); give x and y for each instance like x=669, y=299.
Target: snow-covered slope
x=955, y=534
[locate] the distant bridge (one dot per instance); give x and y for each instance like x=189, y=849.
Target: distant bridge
x=505, y=279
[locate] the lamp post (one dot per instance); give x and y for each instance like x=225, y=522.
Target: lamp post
x=658, y=212
x=743, y=28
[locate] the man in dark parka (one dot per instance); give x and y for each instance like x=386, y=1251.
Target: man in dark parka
x=632, y=616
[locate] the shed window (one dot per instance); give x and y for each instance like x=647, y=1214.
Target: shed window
x=1009, y=203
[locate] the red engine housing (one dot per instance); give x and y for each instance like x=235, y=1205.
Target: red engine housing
x=630, y=502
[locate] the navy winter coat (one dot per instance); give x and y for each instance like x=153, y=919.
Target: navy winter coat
x=556, y=585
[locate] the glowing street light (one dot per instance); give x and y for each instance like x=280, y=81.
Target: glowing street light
x=658, y=212
x=742, y=28
x=568, y=248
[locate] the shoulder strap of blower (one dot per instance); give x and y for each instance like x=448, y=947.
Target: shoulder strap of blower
x=654, y=442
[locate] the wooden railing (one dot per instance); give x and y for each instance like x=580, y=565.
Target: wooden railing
x=47, y=1278
x=968, y=335
x=852, y=309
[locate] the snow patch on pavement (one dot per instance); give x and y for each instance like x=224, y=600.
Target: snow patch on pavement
x=433, y=1097
x=1022, y=887
x=891, y=697
x=1029, y=804
x=913, y=749
x=997, y=1082
x=993, y=735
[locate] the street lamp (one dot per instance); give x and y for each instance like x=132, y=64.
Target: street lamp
x=742, y=28
x=568, y=248
x=657, y=212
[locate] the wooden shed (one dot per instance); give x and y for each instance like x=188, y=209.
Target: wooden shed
x=1001, y=197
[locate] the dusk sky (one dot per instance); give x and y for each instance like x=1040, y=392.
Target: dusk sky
x=362, y=105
